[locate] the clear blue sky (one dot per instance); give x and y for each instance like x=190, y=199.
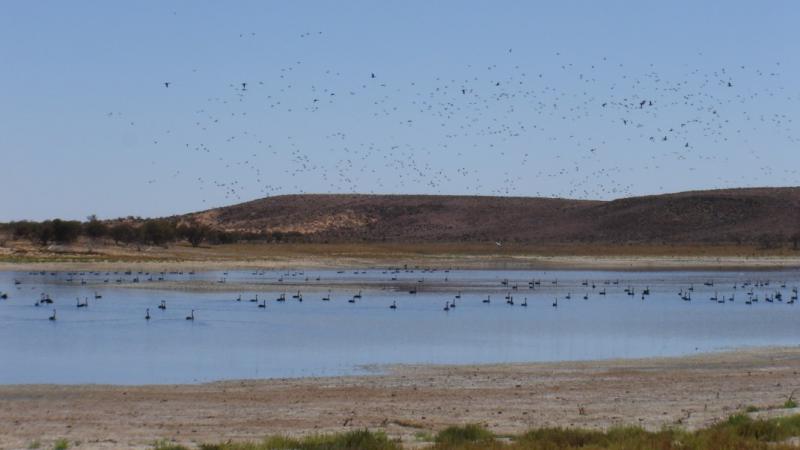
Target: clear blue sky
x=491, y=98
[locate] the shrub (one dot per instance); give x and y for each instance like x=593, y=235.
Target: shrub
x=94, y=228
x=194, y=233
x=65, y=231
x=158, y=232
x=124, y=233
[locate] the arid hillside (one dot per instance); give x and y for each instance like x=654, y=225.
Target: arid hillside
x=735, y=215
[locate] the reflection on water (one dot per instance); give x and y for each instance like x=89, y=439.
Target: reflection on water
x=109, y=341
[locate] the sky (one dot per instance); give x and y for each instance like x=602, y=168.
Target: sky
x=578, y=99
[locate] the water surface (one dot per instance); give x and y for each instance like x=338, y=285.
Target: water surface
x=111, y=342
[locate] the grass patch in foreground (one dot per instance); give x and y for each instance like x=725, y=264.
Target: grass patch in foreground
x=458, y=436
x=354, y=440
x=739, y=432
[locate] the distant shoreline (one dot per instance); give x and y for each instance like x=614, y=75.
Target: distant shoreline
x=612, y=263
x=512, y=256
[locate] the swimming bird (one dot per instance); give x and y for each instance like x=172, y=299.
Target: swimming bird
x=163, y=305
x=393, y=305
x=147, y=314
x=53, y=317
x=190, y=316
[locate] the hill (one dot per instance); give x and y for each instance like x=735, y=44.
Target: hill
x=733, y=215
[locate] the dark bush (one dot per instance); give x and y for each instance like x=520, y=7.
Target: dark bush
x=194, y=233
x=94, y=228
x=123, y=233
x=158, y=232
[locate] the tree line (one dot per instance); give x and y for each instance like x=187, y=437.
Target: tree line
x=165, y=231
x=159, y=232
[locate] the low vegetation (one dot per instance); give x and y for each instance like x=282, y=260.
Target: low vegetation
x=129, y=231
x=740, y=432
x=354, y=440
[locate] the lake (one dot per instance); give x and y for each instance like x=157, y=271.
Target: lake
x=109, y=341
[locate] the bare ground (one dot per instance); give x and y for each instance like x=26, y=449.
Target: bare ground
x=26, y=257
x=407, y=401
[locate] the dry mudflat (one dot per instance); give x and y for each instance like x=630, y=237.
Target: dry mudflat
x=408, y=402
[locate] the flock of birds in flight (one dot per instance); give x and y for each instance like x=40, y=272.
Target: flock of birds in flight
x=771, y=292
x=559, y=128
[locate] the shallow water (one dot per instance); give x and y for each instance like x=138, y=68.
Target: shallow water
x=110, y=341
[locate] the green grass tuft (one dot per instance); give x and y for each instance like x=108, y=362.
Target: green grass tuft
x=354, y=440
x=424, y=436
x=166, y=445
x=455, y=436
x=61, y=444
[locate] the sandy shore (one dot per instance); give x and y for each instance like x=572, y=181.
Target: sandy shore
x=428, y=261
x=407, y=401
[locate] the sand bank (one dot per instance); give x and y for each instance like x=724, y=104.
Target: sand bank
x=406, y=400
